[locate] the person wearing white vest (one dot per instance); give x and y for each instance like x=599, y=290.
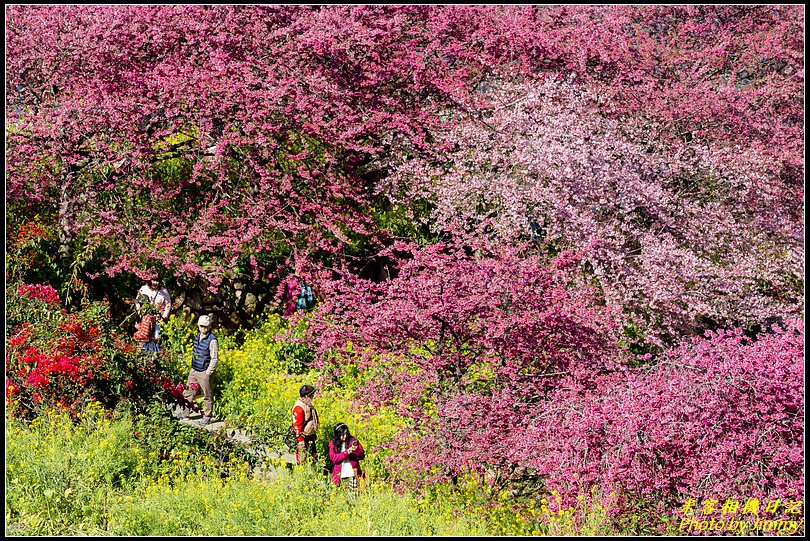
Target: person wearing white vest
x=306, y=424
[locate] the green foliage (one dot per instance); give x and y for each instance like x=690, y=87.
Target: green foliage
x=59, y=474
x=635, y=343
x=64, y=474
x=31, y=248
x=34, y=311
x=176, y=335
x=256, y=382
x=147, y=308
x=133, y=474
x=290, y=355
x=297, y=503
x=409, y=222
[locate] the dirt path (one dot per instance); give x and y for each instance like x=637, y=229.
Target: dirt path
x=236, y=434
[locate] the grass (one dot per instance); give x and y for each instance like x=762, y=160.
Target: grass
x=112, y=476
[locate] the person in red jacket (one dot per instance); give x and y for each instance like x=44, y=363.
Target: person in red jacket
x=345, y=452
x=305, y=422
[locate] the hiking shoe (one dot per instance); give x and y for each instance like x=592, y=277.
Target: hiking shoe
x=181, y=416
x=205, y=420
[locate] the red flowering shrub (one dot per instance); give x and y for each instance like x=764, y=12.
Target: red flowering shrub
x=60, y=359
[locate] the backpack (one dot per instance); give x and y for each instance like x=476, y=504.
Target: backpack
x=305, y=299
x=145, y=330
x=291, y=437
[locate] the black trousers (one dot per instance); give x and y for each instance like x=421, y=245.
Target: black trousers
x=310, y=450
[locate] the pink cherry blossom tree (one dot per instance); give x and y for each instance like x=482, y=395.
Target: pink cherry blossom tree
x=678, y=232
x=481, y=327
x=720, y=417
x=243, y=140
x=509, y=369
x=215, y=141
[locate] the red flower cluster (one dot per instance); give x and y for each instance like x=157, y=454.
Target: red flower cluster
x=39, y=291
x=31, y=231
x=76, y=338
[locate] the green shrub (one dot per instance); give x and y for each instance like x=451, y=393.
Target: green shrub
x=177, y=334
x=62, y=472
x=59, y=473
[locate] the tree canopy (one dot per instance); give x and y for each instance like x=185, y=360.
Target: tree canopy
x=588, y=221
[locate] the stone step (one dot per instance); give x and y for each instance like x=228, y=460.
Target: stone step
x=236, y=434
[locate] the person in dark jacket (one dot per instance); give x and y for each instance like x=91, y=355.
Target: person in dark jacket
x=204, y=357
x=345, y=452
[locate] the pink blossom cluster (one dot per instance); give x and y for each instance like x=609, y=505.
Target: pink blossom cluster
x=278, y=110
x=464, y=317
x=677, y=232
x=269, y=124
x=718, y=417
x=506, y=366
x=39, y=291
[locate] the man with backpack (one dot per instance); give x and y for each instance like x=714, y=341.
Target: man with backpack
x=305, y=424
